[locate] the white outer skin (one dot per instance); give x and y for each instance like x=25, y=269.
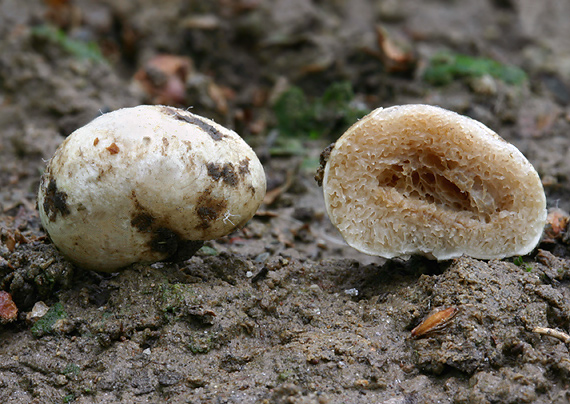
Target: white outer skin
x=160, y=171
x=381, y=221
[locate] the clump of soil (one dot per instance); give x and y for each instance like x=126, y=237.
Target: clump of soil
x=281, y=311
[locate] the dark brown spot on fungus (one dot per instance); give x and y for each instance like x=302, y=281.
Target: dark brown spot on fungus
x=55, y=201
x=323, y=160
x=244, y=166
x=113, y=148
x=164, y=240
x=195, y=120
x=226, y=172
x=96, y=141
x=206, y=213
x=142, y=221
x=135, y=200
x=209, y=209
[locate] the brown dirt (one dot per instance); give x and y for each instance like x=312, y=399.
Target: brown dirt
x=281, y=311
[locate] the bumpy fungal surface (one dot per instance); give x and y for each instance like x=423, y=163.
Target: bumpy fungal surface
x=418, y=179
x=146, y=184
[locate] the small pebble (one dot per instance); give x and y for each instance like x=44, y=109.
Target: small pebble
x=64, y=326
x=361, y=383
x=484, y=85
x=262, y=257
x=315, y=288
x=38, y=311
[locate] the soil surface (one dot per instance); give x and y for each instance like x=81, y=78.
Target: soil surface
x=281, y=311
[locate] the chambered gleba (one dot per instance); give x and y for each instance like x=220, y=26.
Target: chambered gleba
x=418, y=179
x=146, y=184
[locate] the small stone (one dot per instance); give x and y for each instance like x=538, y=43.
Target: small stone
x=63, y=326
x=484, y=85
x=262, y=257
x=361, y=383
x=315, y=288
x=38, y=311
x=61, y=380
x=169, y=378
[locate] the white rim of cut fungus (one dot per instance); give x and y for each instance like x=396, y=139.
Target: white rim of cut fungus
x=418, y=179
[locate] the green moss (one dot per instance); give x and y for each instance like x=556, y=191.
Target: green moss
x=328, y=115
x=293, y=113
x=283, y=376
x=446, y=67
x=200, y=345
x=207, y=251
x=106, y=314
x=71, y=370
x=45, y=324
x=174, y=296
x=79, y=49
x=69, y=398
x=519, y=262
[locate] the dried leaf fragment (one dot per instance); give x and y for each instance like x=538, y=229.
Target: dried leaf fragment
x=8, y=309
x=396, y=59
x=556, y=224
x=164, y=78
x=434, y=322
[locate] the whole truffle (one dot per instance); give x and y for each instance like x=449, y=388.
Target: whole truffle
x=418, y=179
x=146, y=184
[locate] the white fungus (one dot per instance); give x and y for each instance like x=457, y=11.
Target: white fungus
x=418, y=179
x=146, y=184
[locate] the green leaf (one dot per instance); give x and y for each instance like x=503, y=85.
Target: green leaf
x=79, y=49
x=446, y=67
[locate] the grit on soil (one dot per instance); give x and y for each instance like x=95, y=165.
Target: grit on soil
x=281, y=311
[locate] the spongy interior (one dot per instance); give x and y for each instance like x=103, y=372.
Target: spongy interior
x=425, y=175
x=410, y=186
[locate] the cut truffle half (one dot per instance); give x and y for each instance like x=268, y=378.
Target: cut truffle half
x=418, y=179
x=146, y=184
